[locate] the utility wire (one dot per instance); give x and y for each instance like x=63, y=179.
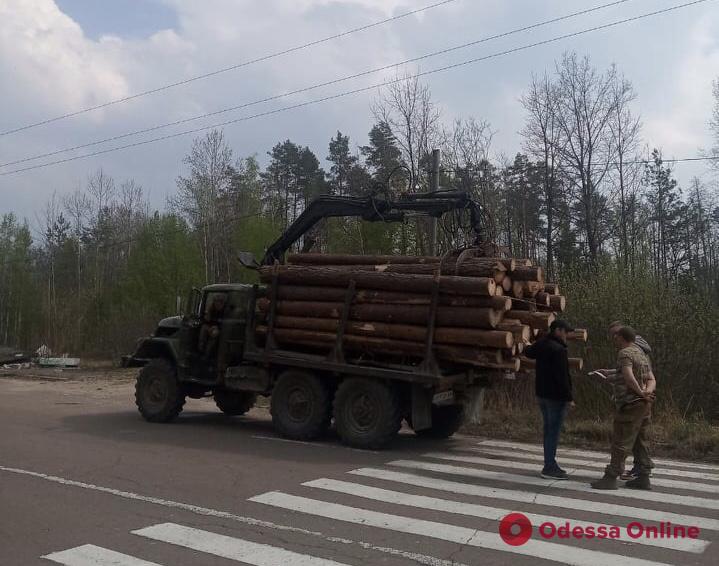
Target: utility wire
x=361, y=89
x=225, y=69
x=606, y=163
x=320, y=85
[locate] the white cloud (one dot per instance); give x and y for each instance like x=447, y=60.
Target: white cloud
x=48, y=66
x=680, y=127
x=51, y=62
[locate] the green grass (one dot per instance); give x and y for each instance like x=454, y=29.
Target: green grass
x=511, y=413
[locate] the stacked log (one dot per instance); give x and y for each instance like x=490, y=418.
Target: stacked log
x=487, y=309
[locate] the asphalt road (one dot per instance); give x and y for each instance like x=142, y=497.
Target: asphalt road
x=84, y=481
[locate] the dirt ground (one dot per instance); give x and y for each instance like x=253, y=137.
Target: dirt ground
x=99, y=379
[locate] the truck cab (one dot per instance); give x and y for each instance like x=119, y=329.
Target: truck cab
x=195, y=350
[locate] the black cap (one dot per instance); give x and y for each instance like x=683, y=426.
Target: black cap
x=560, y=324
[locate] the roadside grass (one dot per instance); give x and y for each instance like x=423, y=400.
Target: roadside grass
x=510, y=412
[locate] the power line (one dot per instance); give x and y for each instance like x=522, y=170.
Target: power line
x=226, y=69
x=319, y=85
x=606, y=163
x=358, y=90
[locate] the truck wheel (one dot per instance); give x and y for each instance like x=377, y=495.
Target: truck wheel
x=300, y=405
x=446, y=420
x=367, y=413
x=234, y=403
x=158, y=394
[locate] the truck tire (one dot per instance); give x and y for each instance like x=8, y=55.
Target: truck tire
x=367, y=413
x=300, y=405
x=446, y=420
x=234, y=403
x=158, y=394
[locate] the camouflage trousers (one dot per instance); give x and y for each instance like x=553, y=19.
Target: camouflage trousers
x=629, y=436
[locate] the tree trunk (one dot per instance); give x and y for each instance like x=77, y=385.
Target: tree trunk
x=500, y=340
x=402, y=314
x=326, y=276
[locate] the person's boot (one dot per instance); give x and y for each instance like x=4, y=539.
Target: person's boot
x=640, y=482
x=607, y=482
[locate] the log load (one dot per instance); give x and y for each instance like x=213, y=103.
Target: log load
x=338, y=294
x=344, y=259
x=488, y=309
x=471, y=356
x=333, y=277
x=463, y=317
x=497, y=339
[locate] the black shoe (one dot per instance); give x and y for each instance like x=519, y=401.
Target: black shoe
x=556, y=474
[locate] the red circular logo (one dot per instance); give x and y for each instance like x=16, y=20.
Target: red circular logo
x=515, y=529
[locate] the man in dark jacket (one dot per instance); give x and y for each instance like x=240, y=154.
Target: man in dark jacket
x=554, y=391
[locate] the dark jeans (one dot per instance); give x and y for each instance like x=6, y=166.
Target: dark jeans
x=553, y=413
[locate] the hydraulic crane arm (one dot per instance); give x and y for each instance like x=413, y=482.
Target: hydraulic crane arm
x=373, y=209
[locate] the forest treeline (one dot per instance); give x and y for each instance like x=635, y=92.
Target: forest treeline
x=588, y=197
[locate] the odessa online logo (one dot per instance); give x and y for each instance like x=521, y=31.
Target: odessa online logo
x=516, y=529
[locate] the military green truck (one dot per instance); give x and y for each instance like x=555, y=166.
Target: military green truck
x=366, y=399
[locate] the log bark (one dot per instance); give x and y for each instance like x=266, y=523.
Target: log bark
x=470, y=268
x=551, y=288
x=367, y=344
x=337, y=294
x=517, y=289
x=452, y=336
x=521, y=332
x=529, y=274
x=509, y=263
x=527, y=305
x=347, y=259
x=542, y=299
x=557, y=303
x=531, y=288
x=326, y=276
x=579, y=335
x=463, y=317
x=536, y=320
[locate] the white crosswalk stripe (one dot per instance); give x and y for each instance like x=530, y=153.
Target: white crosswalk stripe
x=659, y=482
x=494, y=513
x=394, y=486
x=586, y=463
x=655, y=496
x=91, y=555
x=593, y=454
x=530, y=497
x=230, y=547
x=561, y=553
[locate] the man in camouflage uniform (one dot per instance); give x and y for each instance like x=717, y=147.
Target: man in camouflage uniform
x=647, y=349
x=634, y=386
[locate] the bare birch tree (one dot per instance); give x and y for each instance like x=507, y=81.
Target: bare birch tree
x=406, y=106
x=585, y=110
x=543, y=140
x=200, y=198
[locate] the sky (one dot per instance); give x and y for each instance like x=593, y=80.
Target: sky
x=60, y=56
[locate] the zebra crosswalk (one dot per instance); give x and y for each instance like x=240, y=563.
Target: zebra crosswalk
x=454, y=499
